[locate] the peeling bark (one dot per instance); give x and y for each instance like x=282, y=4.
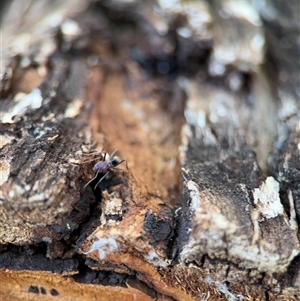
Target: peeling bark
x=202, y=101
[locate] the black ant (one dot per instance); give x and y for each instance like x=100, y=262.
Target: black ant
x=106, y=165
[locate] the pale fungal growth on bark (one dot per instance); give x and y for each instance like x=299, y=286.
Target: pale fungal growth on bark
x=104, y=246
x=4, y=172
x=214, y=230
x=266, y=199
x=74, y=108
x=31, y=101
x=153, y=258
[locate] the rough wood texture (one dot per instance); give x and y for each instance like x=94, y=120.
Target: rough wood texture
x=22, y=285
x=202, y=99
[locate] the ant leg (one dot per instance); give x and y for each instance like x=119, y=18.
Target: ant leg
x=120, y=169
x=124, y=160
x=116, y=168
x=100, y=180
x=89, y=161
x=99, y=154
x=103, y=154
x=92, y=153
x=91, y=180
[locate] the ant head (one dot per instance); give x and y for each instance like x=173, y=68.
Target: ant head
x=115, y=161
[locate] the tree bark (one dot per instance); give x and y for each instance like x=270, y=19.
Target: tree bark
x=202, y=100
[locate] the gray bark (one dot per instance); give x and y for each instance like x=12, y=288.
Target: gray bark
x=202, y=99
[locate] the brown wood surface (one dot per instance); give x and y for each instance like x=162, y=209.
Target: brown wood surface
x=201, y=99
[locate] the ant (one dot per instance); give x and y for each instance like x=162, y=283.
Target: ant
x=106, y=165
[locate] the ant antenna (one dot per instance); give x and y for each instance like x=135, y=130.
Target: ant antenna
x=124, y=160
x=113, y=153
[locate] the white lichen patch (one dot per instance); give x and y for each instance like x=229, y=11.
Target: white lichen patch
x=155, y=260
x=243, y=48
x=31, y=101
x=242, y=10
x=37, y=198
x=194, y=194
x=197, y=14
x=5, y=139
x=222, y=288
x=104, y=246
x=186, y=134
x=267, y=200
x=218, y=236
x=70, y=28
x=290, y=105
x=195, y=117
x=16, y=191
x=4, y=172
x=73, y=108
x=293, y=220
